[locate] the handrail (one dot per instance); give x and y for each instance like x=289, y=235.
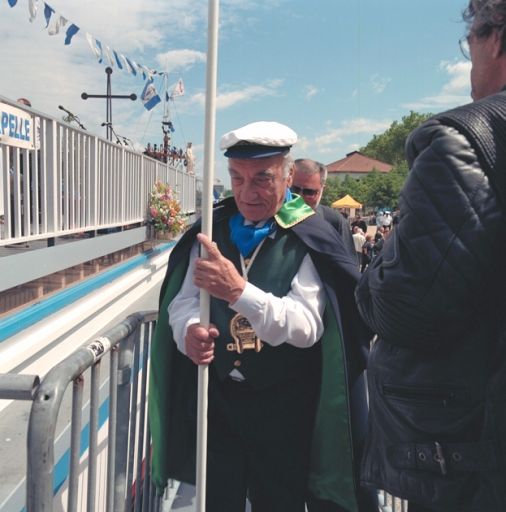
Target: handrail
x=75, y=181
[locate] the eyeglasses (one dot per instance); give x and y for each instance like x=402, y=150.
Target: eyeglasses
x=464, y=46
x=310, y=192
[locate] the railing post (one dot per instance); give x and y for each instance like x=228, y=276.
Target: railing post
x=52, y=172
x=75, y=442
x=125, y=362
x=40, y=451
x=113, y=422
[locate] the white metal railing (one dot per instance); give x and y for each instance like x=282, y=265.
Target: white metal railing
x=75, y=181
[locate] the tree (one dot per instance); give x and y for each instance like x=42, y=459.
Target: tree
x=389, y=146
x=332, y=191
x=382, y=190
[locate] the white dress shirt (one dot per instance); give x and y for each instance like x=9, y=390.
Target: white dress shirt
x=295, y=318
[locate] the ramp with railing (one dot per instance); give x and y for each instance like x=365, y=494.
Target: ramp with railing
x=74, y=181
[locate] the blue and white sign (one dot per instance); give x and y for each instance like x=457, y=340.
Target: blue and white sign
x=16, y=127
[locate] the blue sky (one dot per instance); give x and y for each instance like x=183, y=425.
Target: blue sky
x=335, y=71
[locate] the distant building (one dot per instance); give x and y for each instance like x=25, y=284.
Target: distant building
x=356, y=165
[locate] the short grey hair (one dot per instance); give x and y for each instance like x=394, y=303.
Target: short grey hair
x=485, y=16
x=310, y=167
x=287, y=164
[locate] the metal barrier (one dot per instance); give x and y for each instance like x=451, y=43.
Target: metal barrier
x=117, y=407
x=126, y=431
x=389, y=503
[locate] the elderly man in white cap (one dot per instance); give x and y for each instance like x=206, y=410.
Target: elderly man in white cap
x=286, y=397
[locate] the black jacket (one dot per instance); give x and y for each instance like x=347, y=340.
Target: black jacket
x=435, y=296
x=340, y=224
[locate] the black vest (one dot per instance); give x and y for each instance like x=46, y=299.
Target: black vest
x=484, y=125
x=273, y=269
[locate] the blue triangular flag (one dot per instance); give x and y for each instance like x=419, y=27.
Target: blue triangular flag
x=99, y=46
x=71, y=32
x=48, y=11
x=149, y=95
x=132, y=67
x=12, y=3
x=118, y=61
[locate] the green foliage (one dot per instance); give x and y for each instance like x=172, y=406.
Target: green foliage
x=389, y=146
x=382, y=189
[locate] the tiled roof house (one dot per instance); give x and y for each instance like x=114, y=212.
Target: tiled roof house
x=356, y=165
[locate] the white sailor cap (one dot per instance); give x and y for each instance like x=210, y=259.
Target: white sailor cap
x=258, y=140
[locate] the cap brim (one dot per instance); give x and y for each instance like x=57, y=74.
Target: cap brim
x=255, y=151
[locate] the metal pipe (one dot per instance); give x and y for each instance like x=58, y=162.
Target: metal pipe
x=133, y=421
x=113, y=416
x=18, y=387
x=92, y=451
x=75, y=442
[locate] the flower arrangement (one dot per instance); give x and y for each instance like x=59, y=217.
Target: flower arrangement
x=165, y=210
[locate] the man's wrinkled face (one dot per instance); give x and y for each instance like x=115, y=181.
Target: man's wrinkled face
x=258, y=185
x=309, y=187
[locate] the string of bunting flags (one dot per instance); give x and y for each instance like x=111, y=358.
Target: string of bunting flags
x=56, y=23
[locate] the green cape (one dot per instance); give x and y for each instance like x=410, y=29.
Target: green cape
x=173, y=383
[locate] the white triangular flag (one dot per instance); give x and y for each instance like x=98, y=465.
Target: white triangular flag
x=93, y=45
x=56, y=23
x=33, y=5
x=108, y=55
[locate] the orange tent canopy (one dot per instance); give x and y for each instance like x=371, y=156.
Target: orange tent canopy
x=346, y=202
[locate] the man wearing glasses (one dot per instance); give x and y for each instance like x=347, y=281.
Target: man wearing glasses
x=309, y=180
x=435, y=296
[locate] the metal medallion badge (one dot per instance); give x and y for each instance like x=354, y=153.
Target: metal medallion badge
x=244, y=336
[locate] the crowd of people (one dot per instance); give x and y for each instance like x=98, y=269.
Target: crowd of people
x=293, y=423
x=171, y=154
x=368, y=245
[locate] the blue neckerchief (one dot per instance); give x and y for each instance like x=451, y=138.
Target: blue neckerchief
x=247, y=237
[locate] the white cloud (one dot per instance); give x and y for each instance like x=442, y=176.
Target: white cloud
x=335, y=142
x=135, y=26
x=243, y=95
x=378, y=83
x=303, y=143
x=353, y=147
x=326, y=142
x=159, y=34
x=310, y=91
x=454, y=92
x=180, y=60
x=459, y=76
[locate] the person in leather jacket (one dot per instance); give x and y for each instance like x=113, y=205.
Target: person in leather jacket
x=435, y=297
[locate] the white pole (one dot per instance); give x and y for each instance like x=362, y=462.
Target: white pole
x=207, y=213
